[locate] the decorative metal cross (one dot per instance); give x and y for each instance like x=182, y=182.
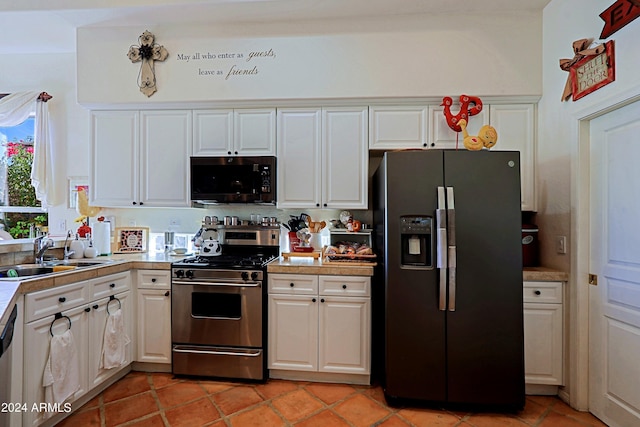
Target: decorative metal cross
x=148, y=52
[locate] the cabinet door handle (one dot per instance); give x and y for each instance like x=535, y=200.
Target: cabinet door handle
x=322, y=300
x=153, y=280
x=314, y=300
x=88, y=309
x=141, y=203
x=317, y=205
x=344, y=286
x=235, y=152
x=291, y=284
x=113, y=285
x=62, y=299
x=166, y=294
x=95, y=306
x=134, y=203
x=537, y=292
x=229, y=152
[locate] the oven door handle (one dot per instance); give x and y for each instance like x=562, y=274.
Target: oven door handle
x=218, y=352
x=232, y=285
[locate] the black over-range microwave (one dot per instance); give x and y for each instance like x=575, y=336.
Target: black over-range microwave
x=233, y=180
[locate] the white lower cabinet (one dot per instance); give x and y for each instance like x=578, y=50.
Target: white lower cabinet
x=154, y=316
x=543, y=333
x=320, y=324
x=86, y=316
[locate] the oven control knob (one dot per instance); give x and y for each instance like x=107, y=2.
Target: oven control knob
x=189, y=274
x=244, y=275
x=254, y=275
x=180, y=273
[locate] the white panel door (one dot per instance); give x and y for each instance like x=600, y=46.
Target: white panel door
x=345, y=158
x=293, y=332
x=397, y=127
x=255, y=132
x=97, y=324
x=165, y=144
x=442, y=136
x=515, y=124
x=299, y=165
x=614, y=310
x=344, y=335
x=154, y=326
x=212, y=133
x=543, y=343
x=37, y=342
x=114, y=158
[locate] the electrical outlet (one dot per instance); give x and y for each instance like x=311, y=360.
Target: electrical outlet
x=62, y=225
x=561, y=244
x=175, y=222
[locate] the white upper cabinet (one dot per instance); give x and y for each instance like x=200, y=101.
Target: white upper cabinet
x=442, y=136
x=140, y=158
x=114, y=147
x=397, y=127
x=299, y=164
x=322, y=158
x=239, y=132
x=345, y=158
x=515, y=124
x=212, y=132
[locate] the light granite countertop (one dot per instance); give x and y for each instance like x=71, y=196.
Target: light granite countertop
x=308, y=265
x=12, y=289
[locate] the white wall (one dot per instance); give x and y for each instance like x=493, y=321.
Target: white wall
x=419, y=56
x=562, y=175
x=492, y=54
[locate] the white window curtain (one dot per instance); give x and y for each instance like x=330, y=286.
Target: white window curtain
x=14, y=109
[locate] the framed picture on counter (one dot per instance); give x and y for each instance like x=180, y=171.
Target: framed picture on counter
x=131, y=240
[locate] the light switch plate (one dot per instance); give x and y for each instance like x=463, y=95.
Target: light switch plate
x=561, y=244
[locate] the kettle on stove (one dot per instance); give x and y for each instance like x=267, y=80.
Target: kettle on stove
x=210, y=247
x=207, y=240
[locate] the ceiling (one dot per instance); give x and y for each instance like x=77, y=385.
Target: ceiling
x=48, y=26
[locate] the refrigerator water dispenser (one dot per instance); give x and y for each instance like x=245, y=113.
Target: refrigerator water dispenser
x=416, y=241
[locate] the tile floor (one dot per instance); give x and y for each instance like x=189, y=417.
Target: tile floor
x=142, y=399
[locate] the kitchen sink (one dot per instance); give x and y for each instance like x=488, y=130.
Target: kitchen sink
x=22, y=271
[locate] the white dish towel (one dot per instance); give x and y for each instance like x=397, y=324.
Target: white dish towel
x=61, y=377
x=115, y=341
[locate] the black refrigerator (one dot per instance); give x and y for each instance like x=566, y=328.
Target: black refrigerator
x=449, y=309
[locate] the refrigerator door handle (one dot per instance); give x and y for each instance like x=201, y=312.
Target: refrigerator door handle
x=441, y=249
x=451, y=258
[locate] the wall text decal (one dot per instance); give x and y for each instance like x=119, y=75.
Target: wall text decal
x=227, y=65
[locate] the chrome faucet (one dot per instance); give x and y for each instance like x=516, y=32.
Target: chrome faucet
x=67, y=251
x=40, y=246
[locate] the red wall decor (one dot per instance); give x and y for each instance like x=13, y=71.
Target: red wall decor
x=592, y=72
x=618, y=15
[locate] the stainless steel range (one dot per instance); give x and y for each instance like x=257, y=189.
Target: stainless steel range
x=218, y=304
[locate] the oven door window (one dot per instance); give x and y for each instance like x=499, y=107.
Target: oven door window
x=216, y=305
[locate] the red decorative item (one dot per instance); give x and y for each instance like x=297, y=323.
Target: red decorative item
x=464, y=113
x=83, y=230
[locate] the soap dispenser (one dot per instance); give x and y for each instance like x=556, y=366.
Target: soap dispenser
x=91, y=251
x=77, y=247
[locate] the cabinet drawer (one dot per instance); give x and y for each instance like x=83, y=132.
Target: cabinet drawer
x=50, y=301
x=543, y=292
x=153, y=279
x=109, y=285
x=345, y=285
x=294, y=284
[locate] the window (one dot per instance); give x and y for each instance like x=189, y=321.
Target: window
x=21, y=214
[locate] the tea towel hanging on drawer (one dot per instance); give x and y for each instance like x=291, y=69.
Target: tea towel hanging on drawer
x=61, y=377
x=115, y=338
